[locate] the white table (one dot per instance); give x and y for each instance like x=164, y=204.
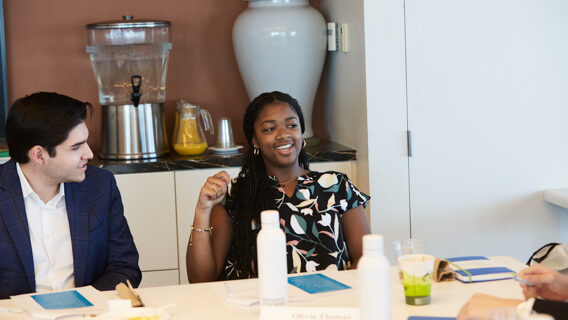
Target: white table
x=205, y=301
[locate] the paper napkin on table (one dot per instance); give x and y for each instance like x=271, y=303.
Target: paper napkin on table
x=242, y=293
x=247, y=293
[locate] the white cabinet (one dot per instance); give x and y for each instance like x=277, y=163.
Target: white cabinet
x=188, y=184
x=482, y=92
x=149, y=207
x=347, y=167
x=160, y=278
x=486, y=106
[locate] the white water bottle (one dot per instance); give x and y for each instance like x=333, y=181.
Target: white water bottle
x=272, y=264
x=374, y=280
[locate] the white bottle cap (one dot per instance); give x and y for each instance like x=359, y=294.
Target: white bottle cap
x=269, y=217
x=373, y=242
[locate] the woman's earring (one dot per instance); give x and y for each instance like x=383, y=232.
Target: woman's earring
x=304, y=144
x=256, y=151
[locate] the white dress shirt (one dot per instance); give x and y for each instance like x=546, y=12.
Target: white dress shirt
x=50, y=238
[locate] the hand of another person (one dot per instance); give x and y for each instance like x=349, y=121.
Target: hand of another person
x=213, y=190
x=549, y=283
x=480, y=305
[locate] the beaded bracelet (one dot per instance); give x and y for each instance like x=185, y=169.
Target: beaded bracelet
x=210, y=230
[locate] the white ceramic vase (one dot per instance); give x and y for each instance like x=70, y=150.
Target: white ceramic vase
x=281, y=45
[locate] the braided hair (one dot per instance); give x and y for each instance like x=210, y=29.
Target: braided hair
x=254, y=191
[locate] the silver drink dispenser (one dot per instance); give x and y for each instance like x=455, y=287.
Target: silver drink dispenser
x=130, y=58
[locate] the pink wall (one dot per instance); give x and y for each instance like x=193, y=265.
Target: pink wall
x=46, y=41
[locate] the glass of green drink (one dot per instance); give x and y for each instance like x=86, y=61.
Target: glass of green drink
x=416, y=272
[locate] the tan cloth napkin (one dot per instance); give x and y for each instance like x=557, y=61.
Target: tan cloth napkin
x=442, y=271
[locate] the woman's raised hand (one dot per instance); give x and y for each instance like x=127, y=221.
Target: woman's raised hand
x=214, y=190
x=207, y=251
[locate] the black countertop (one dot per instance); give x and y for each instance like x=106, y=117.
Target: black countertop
x=325, y=151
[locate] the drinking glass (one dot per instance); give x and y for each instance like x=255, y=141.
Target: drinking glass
x=416, y=270
x=409, y=246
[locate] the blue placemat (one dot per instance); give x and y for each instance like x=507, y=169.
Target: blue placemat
x=316, y=283
x=61, y=300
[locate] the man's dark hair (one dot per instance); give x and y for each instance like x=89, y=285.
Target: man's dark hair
x=44, y=119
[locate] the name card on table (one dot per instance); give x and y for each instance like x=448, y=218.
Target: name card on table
x=308, y=313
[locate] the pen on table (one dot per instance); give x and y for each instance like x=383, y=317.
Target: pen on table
x=528, y=283
x=10, y=310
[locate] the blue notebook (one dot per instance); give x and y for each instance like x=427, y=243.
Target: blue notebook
x=479, y=268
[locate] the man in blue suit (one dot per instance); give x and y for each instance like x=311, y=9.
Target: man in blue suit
x=61, y=221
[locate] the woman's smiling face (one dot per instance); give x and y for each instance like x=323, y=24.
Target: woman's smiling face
x=278, y=135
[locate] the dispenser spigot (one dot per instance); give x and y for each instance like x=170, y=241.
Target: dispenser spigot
x=136, y=81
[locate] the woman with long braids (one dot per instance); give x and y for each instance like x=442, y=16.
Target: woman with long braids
x=322, y=213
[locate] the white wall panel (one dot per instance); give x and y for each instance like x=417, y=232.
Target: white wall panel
x=488, y=103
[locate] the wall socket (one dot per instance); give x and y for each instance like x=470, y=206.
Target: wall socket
x=337, y=37
x=332, y=36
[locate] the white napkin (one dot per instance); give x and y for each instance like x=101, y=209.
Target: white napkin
x=247, y=293
x=241, y=293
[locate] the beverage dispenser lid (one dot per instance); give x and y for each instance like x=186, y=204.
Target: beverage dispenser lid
x=128, y=22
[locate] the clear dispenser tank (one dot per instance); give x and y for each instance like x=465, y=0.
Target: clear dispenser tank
x=121, y=49
x=129, y=59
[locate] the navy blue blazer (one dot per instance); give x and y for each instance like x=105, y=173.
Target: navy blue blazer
x=104, y=253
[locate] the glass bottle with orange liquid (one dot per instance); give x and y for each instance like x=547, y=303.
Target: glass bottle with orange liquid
x=189, y=138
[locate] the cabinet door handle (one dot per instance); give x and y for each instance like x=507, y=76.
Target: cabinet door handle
x=409, y=143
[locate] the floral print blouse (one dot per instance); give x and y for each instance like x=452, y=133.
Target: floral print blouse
x=311, y=219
